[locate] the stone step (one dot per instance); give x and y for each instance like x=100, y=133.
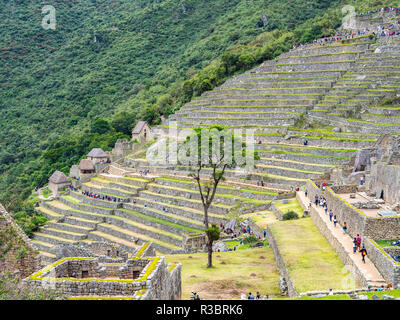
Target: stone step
x=126, y=180
x=51, y=239
x=44, y=246
x=131, y=189
x=153, y=211
x=186, y=212
x=337, y=65
x=125, y=244
x=81, y=222
x=287, y=172
x=132, y=237
x=63, y=234
x=49, y=214
x=94, y=187
x=219, y=209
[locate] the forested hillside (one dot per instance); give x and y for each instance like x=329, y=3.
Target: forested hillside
x=123, y=61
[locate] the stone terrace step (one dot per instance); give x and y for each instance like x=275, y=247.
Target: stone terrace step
x=102, y=236
x=63, y=234
x=132, y=236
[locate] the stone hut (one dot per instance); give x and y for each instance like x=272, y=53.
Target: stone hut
x=97, y=155
x=58, y=181
x=142, y=132
x=86, y=168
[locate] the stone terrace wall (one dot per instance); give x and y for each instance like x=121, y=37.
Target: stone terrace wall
x=387, y=178
x=388, y=268
x=378, y=228
x=23, y=255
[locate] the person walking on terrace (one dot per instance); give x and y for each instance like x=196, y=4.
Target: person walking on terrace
x=334, y=221
x=358, y=238
x=355, y=245
x=330, y=215
x=363, y=253
x=344, y=227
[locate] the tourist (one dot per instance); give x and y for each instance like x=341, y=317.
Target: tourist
x=330, y=215
x=197, y=297
x=362, y=180
x=334, y=221
x=358, y=238
x=265, y=233
x=262, y=183
x=344, y=227
x=363, y=253
x=266, y=297
x=326, y=208
x=250, y=297
x=258, y=296
x=316, y=200
x=243, y=297
x=330, y=292
x=306, y=193
x=355, y=245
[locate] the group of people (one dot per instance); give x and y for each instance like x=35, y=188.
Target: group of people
x=101, y=196
x=72, y=188
x=257, y=297
x=384, y=9
x=194, y=296
x=320, y=201
x=145, y=172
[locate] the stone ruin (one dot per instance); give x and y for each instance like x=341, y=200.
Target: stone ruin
x=104, y=270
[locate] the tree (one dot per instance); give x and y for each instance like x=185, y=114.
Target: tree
x=214, y=150
x=101, y=126
x=124, y=122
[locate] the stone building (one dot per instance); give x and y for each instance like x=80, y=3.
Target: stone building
x=86, y=168
x=142, y=132
x=97, y=155
x=142, y=276
x=58, y=181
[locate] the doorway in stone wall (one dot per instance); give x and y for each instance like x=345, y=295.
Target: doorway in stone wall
x=85, y=274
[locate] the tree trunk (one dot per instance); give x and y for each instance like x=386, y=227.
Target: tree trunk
x=209, y=248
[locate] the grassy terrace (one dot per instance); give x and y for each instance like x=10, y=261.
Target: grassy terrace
x=372, y=123
x=328, y=130
x=292, y=205
x=222, y=195
x=288, y=169
x=299, y=162
x=312, y=263
x=161, y=221
x=303, y=154
x=311, y=148
x=222, y=186
x=233, y=273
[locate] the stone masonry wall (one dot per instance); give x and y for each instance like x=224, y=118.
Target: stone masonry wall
x=388, y=268
x=22, y=254
x=378, y=228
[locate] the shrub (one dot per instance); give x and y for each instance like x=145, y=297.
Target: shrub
x=250, y=239
x=290, y=215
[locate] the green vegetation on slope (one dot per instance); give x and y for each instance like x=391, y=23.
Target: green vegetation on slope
x=143, y=58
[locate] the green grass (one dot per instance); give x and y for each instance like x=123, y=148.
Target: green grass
x=394, y=293
x=293, y=205
x=311, y=261
x=233, y=273
x=385, y=243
